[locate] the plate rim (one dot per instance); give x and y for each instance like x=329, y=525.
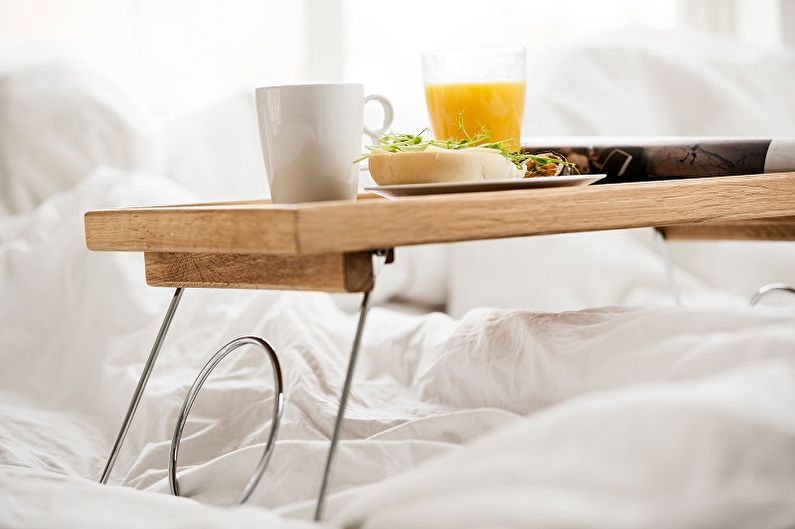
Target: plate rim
x=431, y=185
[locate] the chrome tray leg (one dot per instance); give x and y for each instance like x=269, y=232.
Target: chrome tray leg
x=380, y=258
x=767, y=289
x=665, y=253
x=346, y=390
x=139, y=389
x=278, y=409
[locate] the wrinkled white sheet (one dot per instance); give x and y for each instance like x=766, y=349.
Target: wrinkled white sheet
x=600, y=418
x=702, y=458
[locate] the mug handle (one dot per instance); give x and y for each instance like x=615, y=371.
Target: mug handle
x=389, y=114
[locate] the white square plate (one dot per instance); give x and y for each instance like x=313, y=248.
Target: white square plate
x=410, y=190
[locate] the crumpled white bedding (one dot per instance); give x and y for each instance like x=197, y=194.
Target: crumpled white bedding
x=611, y=417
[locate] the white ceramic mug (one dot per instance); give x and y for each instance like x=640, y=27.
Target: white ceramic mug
x=310, y=135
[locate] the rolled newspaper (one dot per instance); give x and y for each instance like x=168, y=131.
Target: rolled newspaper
x=642, y=158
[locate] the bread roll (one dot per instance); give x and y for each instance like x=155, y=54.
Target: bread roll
x=441, y=165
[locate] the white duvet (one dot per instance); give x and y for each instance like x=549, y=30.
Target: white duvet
x=610, y=417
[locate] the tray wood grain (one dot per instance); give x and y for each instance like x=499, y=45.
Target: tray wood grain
x=782, y=229
x=259, y=227
x=351, y=272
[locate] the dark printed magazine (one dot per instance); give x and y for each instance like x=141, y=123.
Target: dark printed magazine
x=643, y=159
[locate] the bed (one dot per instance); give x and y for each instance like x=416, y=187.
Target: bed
x=540, y=411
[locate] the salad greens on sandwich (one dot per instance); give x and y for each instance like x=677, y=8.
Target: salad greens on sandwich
x=539, y=164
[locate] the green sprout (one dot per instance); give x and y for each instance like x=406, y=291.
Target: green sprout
x=393, y=142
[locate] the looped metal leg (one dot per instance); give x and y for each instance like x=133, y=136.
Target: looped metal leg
x=139, y=389
x=767, y=289
x=380, y=257
x=278, y=409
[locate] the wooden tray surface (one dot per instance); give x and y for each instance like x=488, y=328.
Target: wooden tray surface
x=718, y=206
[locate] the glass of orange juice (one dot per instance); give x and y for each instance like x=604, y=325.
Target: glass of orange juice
x=476, y=90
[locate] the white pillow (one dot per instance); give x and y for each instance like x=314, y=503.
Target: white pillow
x=569, y=272
x=654, y=83
x=58, y=122
x=214, y=150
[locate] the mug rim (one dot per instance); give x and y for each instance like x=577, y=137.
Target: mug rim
x=321, y=84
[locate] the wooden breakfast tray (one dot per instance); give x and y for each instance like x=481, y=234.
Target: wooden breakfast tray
x=326, y=245
x=337, y=246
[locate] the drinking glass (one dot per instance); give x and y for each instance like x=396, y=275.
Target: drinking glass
x=476, y=90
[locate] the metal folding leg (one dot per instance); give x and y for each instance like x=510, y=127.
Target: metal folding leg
x=665, y=252
x=380, y=257
x=278, y=410
x=279, y=404
x=346, y=390
x=767, y=289
x=139, y=389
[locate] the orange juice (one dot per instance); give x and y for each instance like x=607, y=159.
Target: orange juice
x=497, y=106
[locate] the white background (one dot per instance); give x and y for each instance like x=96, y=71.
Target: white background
x=179, y=54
